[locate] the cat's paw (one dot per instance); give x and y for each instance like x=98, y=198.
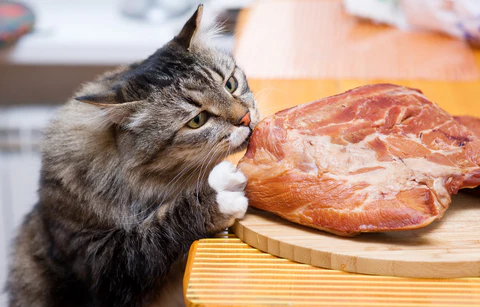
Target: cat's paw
x=226, y=177
x=229, y=184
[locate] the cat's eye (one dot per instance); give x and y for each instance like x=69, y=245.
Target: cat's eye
x=198, y=120
x=231, y=84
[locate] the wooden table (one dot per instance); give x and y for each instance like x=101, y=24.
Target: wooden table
x=227, y=272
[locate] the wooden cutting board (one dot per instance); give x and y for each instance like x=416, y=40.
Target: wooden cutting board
x=446, y=248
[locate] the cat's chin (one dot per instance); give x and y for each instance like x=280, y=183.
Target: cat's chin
x=242, y=146
x=239, y=138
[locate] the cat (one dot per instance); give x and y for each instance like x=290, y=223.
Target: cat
x=132, y=173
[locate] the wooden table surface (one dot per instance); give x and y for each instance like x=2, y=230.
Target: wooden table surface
x=227, y=272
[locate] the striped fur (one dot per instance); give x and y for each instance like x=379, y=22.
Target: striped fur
x=123, y=190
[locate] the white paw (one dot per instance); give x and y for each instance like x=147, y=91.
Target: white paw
x=229, y=184
x=225, y=177
x=232, y=204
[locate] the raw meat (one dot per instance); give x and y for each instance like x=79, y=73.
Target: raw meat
x=472, y=123
x=376, y=158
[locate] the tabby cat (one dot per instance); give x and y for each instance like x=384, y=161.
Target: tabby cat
x=132, y=175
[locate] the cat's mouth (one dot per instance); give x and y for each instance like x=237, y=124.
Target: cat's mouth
x=244, y=144
x=239, y=138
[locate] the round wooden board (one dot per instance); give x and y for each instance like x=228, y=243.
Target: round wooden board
x=446, y=248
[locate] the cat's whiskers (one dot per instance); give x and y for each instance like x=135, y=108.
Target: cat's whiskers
x=203, y=169
x=211, y=154
x=177, y=177
x=193, y=164
x=229, y=151
x=270, y=89
x=201, y=178
x=166, y=192
x=171, y=187
x=266, y=111
x=192, y=167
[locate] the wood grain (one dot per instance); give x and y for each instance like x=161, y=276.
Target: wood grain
x=445, y=249
x=228, y=272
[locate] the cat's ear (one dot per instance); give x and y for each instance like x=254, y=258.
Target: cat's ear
x=119, y=93
x=186, y=36
x=103, y=98
x=116, y=109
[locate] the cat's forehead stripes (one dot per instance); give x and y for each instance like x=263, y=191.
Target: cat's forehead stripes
x=193, y=102
x=207, y=73
x=220, y=64
x=218, y=72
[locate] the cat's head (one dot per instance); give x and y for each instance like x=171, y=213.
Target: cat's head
x=186, y=103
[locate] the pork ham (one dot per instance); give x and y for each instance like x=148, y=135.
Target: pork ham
x=472, y=123
x=376, y=158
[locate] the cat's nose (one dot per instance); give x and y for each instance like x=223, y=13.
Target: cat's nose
x=245, y=121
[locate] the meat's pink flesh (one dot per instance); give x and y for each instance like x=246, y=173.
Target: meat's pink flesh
x=376, y=158
x=473, y=124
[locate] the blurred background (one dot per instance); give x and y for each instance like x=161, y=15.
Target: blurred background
x=70, y=42
x=291, y=50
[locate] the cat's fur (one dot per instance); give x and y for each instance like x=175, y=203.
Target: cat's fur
x=126, y=186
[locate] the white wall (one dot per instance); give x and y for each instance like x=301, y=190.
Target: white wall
x=3, y=243
x=19, y=183
x=19, y=173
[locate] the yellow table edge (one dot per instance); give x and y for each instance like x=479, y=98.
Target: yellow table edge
x=188, y=269
x=228, y=272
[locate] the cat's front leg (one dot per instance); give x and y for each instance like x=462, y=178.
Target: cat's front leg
x=229, y=184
